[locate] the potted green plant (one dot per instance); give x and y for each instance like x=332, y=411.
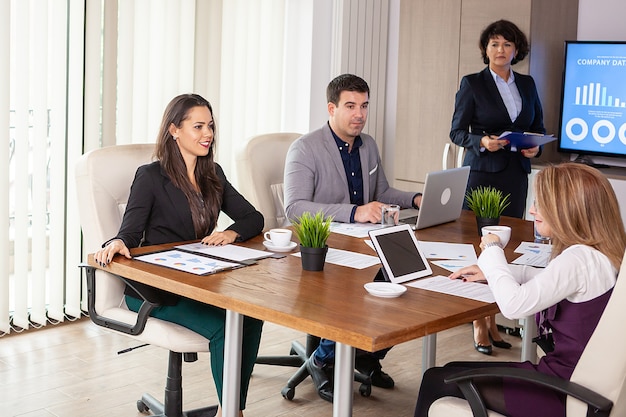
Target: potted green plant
x=312, y=232
x=487, y=203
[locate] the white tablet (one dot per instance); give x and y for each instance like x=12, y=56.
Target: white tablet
x=397, y=249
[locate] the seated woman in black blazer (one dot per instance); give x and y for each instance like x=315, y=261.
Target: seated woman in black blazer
x=178, y=198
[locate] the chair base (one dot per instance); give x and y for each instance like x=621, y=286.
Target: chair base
x=173, y=404
x=297, y=357
x=149, y=403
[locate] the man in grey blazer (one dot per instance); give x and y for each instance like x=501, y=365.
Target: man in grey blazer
x=337, y=169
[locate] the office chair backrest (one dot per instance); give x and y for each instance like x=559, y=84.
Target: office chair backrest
x=261, y=166
x=103, y=179
x=602, y=366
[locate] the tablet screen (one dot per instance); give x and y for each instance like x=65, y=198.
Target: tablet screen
x=398, y=252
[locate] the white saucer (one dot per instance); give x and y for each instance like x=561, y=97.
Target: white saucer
x=273, y=248
x=385, y=289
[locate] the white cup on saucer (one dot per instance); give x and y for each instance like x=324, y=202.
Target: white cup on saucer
x=503, y=232
x=278, y=237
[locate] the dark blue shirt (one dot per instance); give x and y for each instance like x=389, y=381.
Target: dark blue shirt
x=352, y=166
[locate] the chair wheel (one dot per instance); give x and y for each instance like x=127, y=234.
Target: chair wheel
x=288, y=393
x=142, y=407
x=365, y=390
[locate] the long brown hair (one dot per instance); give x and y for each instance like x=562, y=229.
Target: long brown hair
x=205, y=208
x=580, y=205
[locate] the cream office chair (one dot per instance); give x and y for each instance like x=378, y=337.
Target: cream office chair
x=460, y=154
x=261, y=166
x=103, y=179
x=597, y=386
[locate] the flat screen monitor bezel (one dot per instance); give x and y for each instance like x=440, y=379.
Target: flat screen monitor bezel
x=560, y=139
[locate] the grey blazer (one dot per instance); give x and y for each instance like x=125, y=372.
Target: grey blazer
x=315, y=178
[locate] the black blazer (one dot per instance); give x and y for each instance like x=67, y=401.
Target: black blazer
x=480, y=110
x=158, y=212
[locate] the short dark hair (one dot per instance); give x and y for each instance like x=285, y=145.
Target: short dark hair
x=510, y=32
x=345, y=82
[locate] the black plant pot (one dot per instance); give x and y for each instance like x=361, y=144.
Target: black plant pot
x=313, y=259
x=486, y=221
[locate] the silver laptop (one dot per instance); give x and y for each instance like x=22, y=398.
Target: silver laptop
x=442, y=199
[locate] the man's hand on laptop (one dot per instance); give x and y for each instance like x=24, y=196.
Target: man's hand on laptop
x=370, y=212
x=417, y=201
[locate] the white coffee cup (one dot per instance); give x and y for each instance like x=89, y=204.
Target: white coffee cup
x=278, y=237
x=503, y=232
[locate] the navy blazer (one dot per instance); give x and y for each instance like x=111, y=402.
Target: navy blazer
x=479, y=110
x=158, y=212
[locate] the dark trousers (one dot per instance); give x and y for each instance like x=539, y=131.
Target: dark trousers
x=210, y=322
x=433, y=387
x=325, y=352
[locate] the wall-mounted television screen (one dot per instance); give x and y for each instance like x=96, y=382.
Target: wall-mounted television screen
x=593, y=104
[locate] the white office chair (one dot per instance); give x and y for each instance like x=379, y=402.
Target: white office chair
x=598, y=381
x=446, y=155
x=261, y=166
x=103, y=180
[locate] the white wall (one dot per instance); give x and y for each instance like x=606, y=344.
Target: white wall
x=601, y=20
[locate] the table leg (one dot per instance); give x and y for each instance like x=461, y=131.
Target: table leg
x=344, y=375
x=529, y=350
x=429, y=351
x=232, y=364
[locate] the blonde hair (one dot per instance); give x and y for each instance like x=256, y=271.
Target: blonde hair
x=580, y=205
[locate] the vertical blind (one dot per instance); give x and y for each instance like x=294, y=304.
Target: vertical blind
x=75, y=76
x=33, y=100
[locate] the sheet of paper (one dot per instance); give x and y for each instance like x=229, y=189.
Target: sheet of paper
x=349, y=259
x=540, y=260
x=472, y=290
x=359, y=230
x=531, y=247
x=188, y=262
x=533, y=254
x=452, y=265
x=230, y=252
x=443, y=250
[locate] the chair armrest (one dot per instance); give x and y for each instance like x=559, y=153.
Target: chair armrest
x=142, y=314
x=597, y=405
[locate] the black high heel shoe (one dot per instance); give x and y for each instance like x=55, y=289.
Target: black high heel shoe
x=485, y=350
x=500, y=343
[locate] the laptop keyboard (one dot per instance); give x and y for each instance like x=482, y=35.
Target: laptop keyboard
x=409, y=220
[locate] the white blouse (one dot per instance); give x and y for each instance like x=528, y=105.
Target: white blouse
x=580, y=273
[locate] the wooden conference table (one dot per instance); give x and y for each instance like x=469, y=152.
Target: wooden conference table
x=331, y=304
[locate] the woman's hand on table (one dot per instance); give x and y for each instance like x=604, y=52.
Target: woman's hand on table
x=105, y=255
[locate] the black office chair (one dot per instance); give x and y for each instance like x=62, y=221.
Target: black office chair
x=261, y=170
x=297, y=357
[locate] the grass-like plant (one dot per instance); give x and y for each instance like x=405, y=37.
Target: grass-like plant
x=487, y=201
x=312, y=230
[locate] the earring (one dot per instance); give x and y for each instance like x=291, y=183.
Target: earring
x=174, y=137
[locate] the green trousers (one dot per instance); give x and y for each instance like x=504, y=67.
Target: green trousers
x=210, y=322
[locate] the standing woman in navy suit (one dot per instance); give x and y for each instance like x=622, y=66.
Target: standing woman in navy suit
x=490, y=102
x=177, y=198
